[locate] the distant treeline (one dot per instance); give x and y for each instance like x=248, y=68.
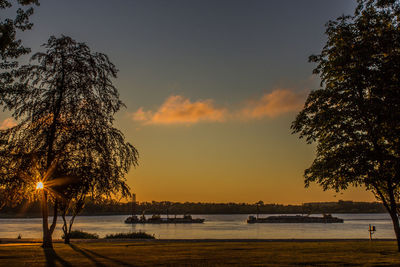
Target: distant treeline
x=112, y=207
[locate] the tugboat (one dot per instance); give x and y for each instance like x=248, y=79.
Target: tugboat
x=135, y=219
x=326, y=218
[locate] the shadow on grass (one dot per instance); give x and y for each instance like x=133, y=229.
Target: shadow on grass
x=52, y=258
x=123, y=263
x=90, y=257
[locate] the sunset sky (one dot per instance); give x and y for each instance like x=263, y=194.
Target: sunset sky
x=211, y=88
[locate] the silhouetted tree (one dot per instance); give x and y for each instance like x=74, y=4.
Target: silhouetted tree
x=65, y=138
x=355, y=118
x=71, y=205
x=11, y=47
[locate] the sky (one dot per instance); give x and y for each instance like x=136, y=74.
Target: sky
x=210, y=87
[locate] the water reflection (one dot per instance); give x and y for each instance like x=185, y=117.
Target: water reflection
x=215, y=226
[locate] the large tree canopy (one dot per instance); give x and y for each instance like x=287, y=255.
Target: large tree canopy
x=65, y=137
x=355, y=117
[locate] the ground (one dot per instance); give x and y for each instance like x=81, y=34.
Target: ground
x=203, y=253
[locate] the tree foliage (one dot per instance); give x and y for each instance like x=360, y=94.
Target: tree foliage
x=64, y=104
x=355, y=117
x=11, y=47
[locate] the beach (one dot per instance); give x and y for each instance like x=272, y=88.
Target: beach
x=284, y=252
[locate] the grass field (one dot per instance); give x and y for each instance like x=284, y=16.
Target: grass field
x=176, y=253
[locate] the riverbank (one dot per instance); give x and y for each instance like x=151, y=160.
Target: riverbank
x=202, y=253
x=111, y=207
x=38, y=216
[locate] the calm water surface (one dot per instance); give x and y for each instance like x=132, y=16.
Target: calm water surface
x=215, y=226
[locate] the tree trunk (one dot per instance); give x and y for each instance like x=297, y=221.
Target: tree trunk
x=47, y=240
x=396, y=227
x=55, y=213
x=66, y=238
x=48, y=232
x=68, y=234
x=393, y=211
x=65, y=229
x=78, y=208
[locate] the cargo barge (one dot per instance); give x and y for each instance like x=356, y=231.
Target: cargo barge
x=326, y=218
x=156, y=219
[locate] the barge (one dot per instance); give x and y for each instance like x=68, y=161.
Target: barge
x=156, y=219
x=326, y=218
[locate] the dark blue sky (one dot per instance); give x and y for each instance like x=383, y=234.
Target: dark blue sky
x=220, y=49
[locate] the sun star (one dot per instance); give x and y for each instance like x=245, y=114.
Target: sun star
x=39, y=185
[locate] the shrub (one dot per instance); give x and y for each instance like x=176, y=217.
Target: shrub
x=132, y=235
x=77, y=234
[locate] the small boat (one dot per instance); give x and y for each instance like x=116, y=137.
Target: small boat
x=156, y=219
x=326, y=218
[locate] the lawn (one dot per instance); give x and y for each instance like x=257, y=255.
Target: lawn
x=177, y=253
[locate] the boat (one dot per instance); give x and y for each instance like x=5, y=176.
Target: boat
x=132, y=219
x=326, y=218
x=156, y=219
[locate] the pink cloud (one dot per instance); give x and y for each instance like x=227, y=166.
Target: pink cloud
x=177, y=109
x=278, y=102
x=180, y=110
x=7, y=123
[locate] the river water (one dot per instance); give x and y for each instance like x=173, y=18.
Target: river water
x=214, y=227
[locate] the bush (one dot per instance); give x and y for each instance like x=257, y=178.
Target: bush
x=77, y=234
x=133, y=235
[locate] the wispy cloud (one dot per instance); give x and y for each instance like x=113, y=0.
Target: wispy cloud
x=271, y=105
x=179, y=110
x=7, y=123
